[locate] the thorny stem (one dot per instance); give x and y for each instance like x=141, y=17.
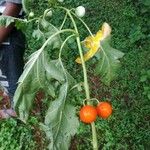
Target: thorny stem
x=86, y=85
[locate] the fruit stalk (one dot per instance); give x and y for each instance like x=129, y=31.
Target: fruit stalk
x=86, y=85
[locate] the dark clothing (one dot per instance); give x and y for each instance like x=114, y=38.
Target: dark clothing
x=11, y=61
x=11, y=56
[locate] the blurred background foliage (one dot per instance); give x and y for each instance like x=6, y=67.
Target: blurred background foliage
x=129, y=126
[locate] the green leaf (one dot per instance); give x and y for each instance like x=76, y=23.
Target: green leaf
x=146, y=2
x=143, y=78
x=38, y=34
x=108, y=62
x=48, y=29
x=54, y=70
x=6, y=20
x=61, y=120
x=19, y=23
x=26, y=4
x=39, y=73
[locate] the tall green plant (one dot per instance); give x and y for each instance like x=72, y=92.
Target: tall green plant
x=41, y=72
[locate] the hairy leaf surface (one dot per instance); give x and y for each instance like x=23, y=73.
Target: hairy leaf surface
x=61, y=120
x=108, y=61
x=39, y=74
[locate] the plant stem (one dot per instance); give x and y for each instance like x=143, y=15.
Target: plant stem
x=86, y=85
x=94, y=135
x=86, y=26
x=60, y=53
x=65, y=18
x=57, y=33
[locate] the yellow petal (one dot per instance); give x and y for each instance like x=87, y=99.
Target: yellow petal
x=88, y=41
x=99, y=35
x=88, y=55
x=93, y=43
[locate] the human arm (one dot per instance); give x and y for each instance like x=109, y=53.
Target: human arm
x=12, y=9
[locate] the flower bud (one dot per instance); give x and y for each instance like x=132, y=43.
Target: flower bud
x=80, y=11
x=49, y=14
x=31, y=14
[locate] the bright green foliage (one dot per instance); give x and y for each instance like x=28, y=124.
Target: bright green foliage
x=25, y=5
x=15, y=136
x=145, y=79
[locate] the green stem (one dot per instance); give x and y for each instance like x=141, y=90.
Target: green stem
x=60, y=53
x=65, y=18
x=94, y=135
x=86, y=85
x=86, y=26
x=57, y=33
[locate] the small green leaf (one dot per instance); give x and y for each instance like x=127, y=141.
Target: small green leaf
x=108, y=62
x=19, y=23
x=143, y=78
x=6, y=20
x=38, y=34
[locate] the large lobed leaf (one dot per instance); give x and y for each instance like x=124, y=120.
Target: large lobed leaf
x=108, y=62
x=39, y=74
x=61, y=120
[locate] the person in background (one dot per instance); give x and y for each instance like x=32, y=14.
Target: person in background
x=12, y=45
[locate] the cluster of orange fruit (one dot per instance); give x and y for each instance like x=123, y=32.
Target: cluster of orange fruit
x=89, y=113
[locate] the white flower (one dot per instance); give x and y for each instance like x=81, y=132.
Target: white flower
x=80, y=11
